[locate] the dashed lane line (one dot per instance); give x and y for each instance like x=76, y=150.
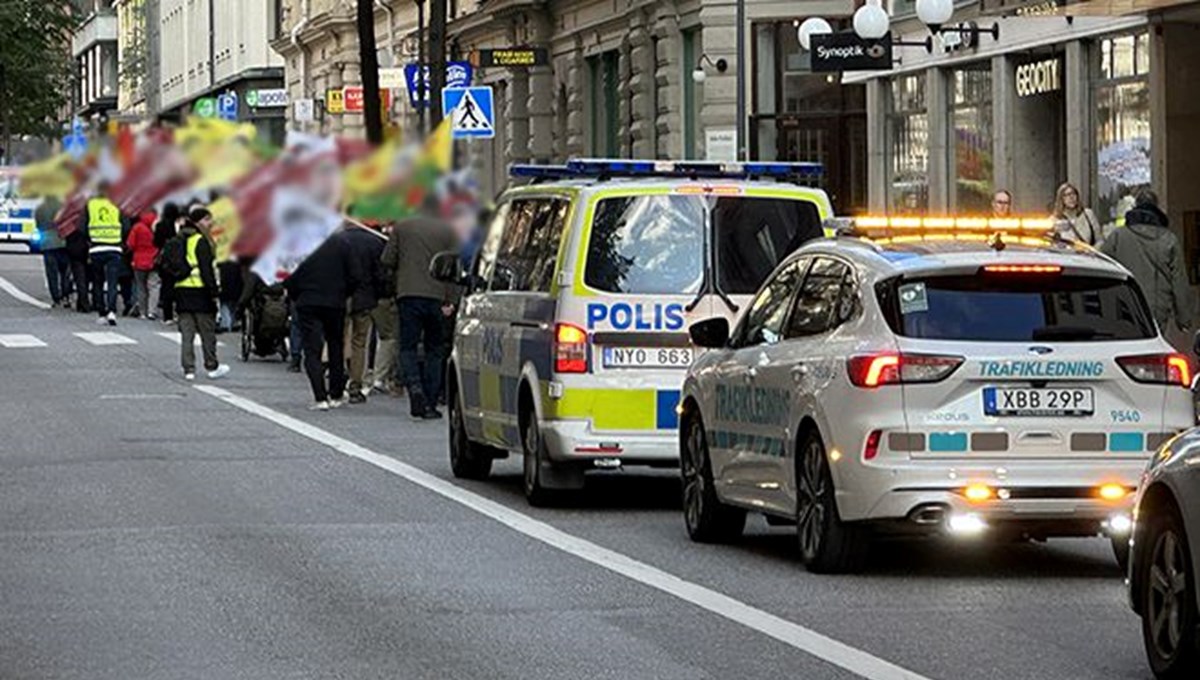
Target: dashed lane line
x=20, y=341
x=178, y=340
x=8, y=287
x=804, y=639
x=104, y=338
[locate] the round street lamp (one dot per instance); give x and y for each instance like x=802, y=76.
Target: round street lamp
x=934, y=13
x=871, y=21
x=812, y=26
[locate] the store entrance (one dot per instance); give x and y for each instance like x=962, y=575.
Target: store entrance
x=1040, y=125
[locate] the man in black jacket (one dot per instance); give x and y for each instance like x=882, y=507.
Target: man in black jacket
x=320, y=287
x=365, y=246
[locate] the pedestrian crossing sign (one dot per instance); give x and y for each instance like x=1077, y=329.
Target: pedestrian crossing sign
x=470, y=111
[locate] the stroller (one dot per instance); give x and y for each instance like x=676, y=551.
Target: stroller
x=264, y=319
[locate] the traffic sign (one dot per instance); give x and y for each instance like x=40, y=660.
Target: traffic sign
x=470, y=111
x=305, y=111
x=458, y=74
x=75, y=144
x=227, y=106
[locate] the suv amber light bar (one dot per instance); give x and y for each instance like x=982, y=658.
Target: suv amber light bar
x=949, y=225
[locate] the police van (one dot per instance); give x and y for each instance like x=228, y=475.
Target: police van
x=956, y=376
x=571, y=342
x=17, y=224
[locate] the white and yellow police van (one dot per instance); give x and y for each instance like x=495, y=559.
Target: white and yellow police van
x=571, y=342
x=17, y=224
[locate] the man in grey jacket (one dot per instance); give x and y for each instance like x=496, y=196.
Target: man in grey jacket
x=1149, y=250
x=422, y=303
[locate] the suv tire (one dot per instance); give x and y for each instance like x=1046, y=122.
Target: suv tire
x=1167, y=594
x=827, y=545
x=708, y=520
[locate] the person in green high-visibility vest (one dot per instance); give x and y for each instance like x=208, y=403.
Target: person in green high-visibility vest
x=102, y=222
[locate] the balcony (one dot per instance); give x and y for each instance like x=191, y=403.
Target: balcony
x=98, y=28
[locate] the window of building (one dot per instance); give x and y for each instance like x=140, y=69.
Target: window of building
x=691, y=39
x=605, y=85
x=1121, y=98
x=971, y=116
x=908, y=145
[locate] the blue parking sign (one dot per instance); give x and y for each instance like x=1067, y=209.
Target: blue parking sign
x=227, y=106
x=470, y=110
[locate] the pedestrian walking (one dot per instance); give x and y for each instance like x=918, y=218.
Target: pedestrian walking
x=320, y=288
x=188, y=258
x=422, y=303
x=144, y=256
x=57, y=261
x=77, y=253
x=1002, y=203
x=165, y=229
x=1151, y=252
x=365, y=245
x=101, y=222
x=232, y=284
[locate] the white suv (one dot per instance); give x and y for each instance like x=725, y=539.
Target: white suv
x=924, y=376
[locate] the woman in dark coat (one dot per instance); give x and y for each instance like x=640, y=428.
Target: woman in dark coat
x=165, y=230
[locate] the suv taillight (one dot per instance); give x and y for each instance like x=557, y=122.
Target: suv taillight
x=894, y=369
x=570, y=349
x=1166, y=369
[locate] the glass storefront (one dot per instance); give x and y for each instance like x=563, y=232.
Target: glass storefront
x=804, y=116
x=971, y=116
x=1121, y=98
x=908, y=145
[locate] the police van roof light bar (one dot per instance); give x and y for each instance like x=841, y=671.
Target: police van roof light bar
x=604, y=168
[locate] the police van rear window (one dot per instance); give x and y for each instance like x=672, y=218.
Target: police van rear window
x=647, y=245
x=1015, y=308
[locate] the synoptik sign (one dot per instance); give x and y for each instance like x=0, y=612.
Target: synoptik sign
x=846, y=51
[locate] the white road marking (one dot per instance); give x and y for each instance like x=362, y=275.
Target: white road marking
x=178, y=340
x=21, y=295
x=19, y=341
x=793, y=634
x=103, y=338
x=139, y=397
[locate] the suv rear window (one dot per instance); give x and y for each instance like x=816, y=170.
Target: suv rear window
x=647, y=244
x=755, y=234
x=1003, y=308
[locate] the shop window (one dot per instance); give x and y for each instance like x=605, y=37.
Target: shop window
x=971, y=113
x=908, y=145
x=604, y=105
x=1121, y=99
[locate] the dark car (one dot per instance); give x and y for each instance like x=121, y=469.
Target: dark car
x=1164, y=556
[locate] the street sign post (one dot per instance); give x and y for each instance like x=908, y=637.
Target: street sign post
x=458, y=74
x=75, y=143
x=471, y=111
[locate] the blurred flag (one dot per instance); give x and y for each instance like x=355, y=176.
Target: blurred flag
x=392, y=183
x=220, y=151
x=53, y=177
x=306, y=223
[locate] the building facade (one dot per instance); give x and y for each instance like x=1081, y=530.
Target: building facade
x=208, y=49
x=1108, y=101
x=94, y=48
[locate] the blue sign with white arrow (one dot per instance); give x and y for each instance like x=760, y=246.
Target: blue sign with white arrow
x=470, y=110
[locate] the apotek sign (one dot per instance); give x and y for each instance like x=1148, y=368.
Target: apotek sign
x=1039, y=77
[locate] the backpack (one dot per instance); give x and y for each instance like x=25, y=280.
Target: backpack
x=273, y=312
x=172, y=260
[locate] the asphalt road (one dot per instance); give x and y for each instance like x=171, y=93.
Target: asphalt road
x=149, y=529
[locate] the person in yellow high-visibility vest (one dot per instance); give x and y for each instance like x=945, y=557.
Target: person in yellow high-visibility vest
x=196, y=296
x=102, y=223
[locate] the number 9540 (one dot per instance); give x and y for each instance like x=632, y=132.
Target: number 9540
x=1125, y=416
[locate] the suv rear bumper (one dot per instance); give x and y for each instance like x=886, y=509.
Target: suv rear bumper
x=574, y=441
x=1045, y=492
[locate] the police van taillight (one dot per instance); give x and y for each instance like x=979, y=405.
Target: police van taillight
x=570, y=349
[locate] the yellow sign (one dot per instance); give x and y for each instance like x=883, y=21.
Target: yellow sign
x=335, y=101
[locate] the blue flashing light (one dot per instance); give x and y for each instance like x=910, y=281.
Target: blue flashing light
x=601, y=167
